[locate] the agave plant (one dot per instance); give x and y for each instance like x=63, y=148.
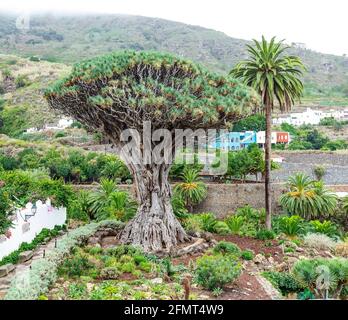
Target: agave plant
x=308, y=198
x=192, y=191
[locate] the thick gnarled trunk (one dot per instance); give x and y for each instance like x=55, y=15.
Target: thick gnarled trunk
x=155, y=227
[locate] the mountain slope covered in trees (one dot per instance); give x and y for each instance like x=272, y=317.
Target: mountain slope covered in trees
x=71, y=38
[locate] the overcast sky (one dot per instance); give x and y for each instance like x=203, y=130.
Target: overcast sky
x=321, y=24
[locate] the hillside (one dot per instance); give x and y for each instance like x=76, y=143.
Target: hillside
x=68, y=39
x=22, y=83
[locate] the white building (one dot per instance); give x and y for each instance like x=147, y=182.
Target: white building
x=310, y=116
x=261, y=137
x=62, y=124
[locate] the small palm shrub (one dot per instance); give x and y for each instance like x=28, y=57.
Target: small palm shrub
x=225, y=247
x=235, y=223
x=308, y=198
x=216, y=271
x=191, y=190
x=291, y=226
x=120, y=207
x=321, y=275
x=319, y=241
x=110, y=203
x=325, y=227
x=248, y=222
x=79, y=208
x=208, y=222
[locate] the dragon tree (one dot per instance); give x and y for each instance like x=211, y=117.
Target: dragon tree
x=120, y=91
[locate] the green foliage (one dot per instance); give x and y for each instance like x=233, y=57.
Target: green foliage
x=235, y=223
x=320, y=274
x=247, y=220
x=14, y=120
x=216, y=271
x=22, y=81
x=225, y=247
x=26, y=186
x=326, y=227
x=291, y=226
x=75, y=266
x=319, y=172
x=79, y=208
x=179, y=207
x=208, y=221
x=272, y=74
x=307, y=198
x=110, y=203
x=205, y=98
x=285, y=282
x=255, y=122
x=245, y=162
x=264, y=234
x=6, y=209
x=192, y=191
x=221, y=228
x=247, y=255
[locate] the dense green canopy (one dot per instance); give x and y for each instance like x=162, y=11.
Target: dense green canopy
x=120, y=90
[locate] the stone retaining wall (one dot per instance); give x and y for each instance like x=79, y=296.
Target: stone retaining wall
x=224, y=199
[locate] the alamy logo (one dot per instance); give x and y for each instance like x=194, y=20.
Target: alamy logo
x=163, y=146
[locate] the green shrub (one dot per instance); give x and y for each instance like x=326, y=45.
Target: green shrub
x=208, y=221
x=285, y=282
x=22, y=81
x=235, y=223
x=247, y=255
x=320, y=274
x=265, y=234
x=326, y=227
x=225, y=247
x=319, y=172
x=221, y=228
x=216, y=271
x=60, y=134
x=291, y=226
x=75, y=266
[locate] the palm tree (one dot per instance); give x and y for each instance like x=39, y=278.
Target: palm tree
x=276, y=77
x=308, y=198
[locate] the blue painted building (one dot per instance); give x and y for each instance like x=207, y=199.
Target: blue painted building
x=235, y=140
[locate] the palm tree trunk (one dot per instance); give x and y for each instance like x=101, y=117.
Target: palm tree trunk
x=268, y=145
